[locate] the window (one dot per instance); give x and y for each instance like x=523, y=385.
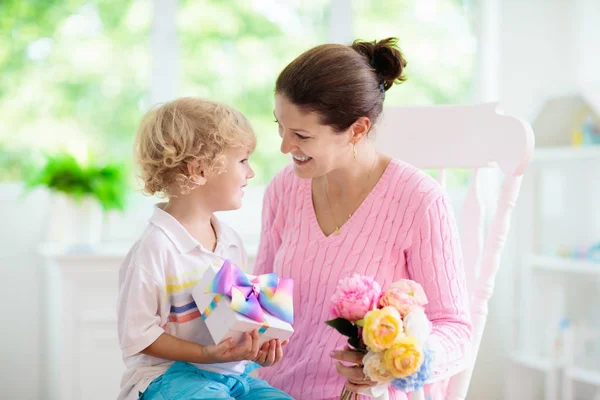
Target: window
x=436, y=37
x=78, y=75
x=73, y=75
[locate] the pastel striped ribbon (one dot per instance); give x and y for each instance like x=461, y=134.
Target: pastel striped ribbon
x=211, y=306
x=251, y=296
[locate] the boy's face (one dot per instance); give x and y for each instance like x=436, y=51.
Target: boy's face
x=227, y=188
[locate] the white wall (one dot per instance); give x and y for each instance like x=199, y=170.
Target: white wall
x=537, y=53
x=21, y=222
x=587, y=40
x=545, y=47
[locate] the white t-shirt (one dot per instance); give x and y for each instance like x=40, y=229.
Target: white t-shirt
x=155, y=285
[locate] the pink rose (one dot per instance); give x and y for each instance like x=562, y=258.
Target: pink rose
x=354, y=297
x=405, y=296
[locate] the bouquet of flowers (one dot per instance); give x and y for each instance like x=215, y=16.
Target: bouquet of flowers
x=389, y=326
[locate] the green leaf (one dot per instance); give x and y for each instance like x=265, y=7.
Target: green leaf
x=357, y=344
x=63, y=173
x=344, y=327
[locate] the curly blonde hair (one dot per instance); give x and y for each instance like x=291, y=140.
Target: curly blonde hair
x=187, y=131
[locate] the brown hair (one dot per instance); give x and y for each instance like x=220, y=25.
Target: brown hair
x=183, y=131
x=343, y=83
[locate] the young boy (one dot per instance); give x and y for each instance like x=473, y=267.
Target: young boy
x=195, y=152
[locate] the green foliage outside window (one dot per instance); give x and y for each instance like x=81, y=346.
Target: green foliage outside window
x=75, y=74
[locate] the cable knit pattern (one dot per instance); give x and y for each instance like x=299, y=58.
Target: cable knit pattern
x=405, y=228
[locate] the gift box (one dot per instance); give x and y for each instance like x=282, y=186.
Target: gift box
x=232, y=302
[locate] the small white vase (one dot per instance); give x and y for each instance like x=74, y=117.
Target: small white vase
x=74, y=223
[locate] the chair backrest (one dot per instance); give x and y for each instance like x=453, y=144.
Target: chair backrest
x=475, y=137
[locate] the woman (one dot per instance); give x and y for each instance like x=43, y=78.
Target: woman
x=343, y=208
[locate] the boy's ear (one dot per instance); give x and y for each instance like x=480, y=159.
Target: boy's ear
x=196, y=173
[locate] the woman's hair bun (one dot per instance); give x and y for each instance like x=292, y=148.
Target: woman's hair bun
x=385, y=58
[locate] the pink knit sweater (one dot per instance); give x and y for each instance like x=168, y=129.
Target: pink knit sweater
x=405, y=228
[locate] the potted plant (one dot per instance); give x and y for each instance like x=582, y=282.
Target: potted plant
x=81, y=193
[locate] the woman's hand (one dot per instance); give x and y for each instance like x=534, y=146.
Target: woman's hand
x=357, y=381
x=270, y=353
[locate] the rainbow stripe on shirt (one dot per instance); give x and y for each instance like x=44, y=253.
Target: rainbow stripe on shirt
x=179, y=293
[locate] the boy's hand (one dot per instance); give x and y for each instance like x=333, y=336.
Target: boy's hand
x=228, y=351
x=270, y=353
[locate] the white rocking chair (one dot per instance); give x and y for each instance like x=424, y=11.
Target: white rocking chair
x=475, y=137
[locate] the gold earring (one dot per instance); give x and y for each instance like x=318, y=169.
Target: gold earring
x=354, y=151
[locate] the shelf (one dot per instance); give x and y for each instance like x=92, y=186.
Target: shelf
x=578, y=374
x=583, y=375
x=549, y=154
x=563, y=264
x=533, y=362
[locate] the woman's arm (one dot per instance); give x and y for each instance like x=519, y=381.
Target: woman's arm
x=435, y=260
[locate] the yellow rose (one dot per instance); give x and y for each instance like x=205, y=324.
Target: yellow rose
x=374, y=368
x=404, y=358
x=382, y=328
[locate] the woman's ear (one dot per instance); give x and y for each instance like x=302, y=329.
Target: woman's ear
x=359, y=129
x=196, y=173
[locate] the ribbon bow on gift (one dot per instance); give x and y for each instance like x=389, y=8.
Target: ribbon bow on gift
x=250, y=297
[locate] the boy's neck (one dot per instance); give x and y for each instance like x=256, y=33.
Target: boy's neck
x=194, y=218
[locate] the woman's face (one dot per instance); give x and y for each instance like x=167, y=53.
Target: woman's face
x=316, y=149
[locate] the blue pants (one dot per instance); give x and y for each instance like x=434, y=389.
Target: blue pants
x=183, y=381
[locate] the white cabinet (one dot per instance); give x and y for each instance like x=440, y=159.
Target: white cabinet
x=556, y=330
x=82, y=349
